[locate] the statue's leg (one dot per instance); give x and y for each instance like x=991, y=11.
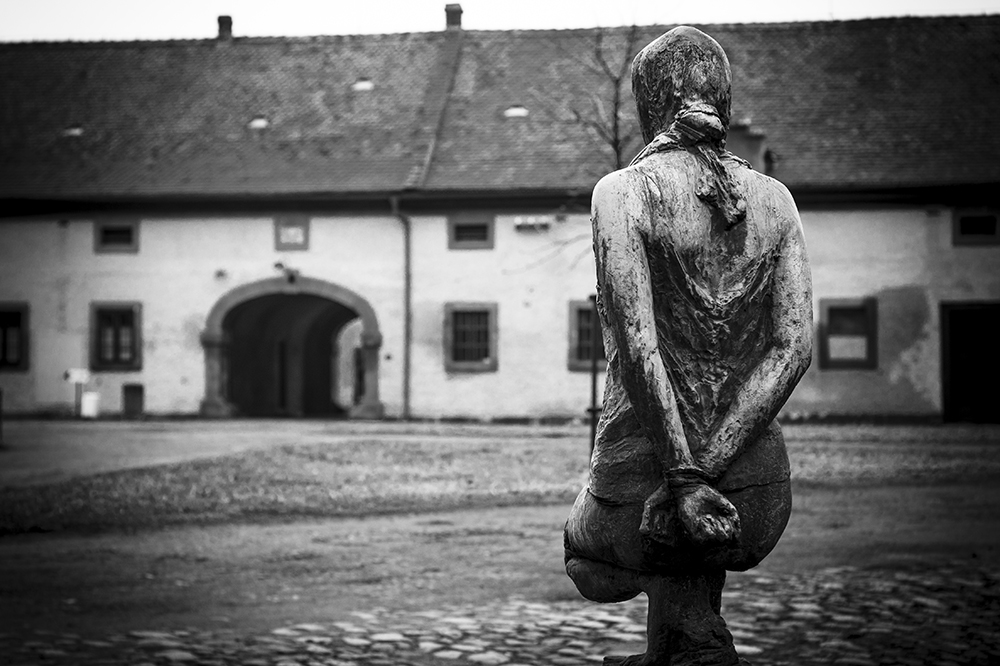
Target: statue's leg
x=604, y=583
x=717, y=580
x=683, y=625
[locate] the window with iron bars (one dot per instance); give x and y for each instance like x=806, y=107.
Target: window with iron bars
x=581, y=331
x=471, y=337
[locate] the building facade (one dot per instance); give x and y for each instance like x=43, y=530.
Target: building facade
x=397, y=225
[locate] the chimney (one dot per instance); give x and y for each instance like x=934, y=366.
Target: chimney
x=454, y=16
x=225, y=28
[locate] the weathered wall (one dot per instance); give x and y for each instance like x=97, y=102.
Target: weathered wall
x=532, y=276
x=904, y=258
x=53, y=267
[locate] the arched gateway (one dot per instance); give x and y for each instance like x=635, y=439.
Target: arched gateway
x=270, y=350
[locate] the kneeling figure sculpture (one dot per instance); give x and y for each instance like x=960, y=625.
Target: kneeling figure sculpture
x=705, y=300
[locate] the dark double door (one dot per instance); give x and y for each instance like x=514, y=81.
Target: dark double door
x=970, y=361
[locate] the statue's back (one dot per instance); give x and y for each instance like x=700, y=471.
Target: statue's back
x=711, y=285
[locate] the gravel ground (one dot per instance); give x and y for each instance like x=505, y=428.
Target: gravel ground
x=386, y=468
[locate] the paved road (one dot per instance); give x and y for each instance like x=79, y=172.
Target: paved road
x=937, y=613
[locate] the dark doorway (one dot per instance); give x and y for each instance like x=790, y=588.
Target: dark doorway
x=280, y=355
x=970, y=362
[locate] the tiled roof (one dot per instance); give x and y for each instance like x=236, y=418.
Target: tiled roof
x=843, y=105
x=172, y=118
x=847, y=105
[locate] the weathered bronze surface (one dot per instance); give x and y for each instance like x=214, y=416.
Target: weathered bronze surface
x=705, y=299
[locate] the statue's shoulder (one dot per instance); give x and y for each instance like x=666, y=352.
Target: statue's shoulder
x=771, y=195
x=623, y=194
x=630, y=182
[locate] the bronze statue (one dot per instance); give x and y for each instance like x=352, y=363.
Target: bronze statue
x=705, y=299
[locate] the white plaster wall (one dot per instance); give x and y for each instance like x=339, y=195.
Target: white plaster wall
x=55, y=269
x=532, y=277
x=903, y=257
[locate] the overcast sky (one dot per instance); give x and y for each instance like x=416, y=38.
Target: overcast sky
x=23, y=20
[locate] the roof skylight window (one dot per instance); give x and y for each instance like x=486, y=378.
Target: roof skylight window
x=363, y=84
x=73, y=130
x=515, y=111
x=259, y=123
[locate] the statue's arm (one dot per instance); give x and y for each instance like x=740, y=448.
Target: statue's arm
x=758, y=400
x=621, y=218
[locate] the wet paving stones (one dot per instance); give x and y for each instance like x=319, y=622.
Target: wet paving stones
x=946, y=614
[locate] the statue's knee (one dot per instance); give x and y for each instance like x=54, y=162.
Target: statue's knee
x=602, y=582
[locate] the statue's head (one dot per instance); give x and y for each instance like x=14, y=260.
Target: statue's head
x=680, y=70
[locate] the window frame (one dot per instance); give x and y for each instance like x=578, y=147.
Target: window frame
x=22, y=308
x=489, y=364
x=958, y=238
x=574, y=363
x=468, y=218
x=292, y=220
x=102, y=248
x=870, y=362
x=97, y=364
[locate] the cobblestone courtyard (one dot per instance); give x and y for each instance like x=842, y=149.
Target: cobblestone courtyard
x=942, y=613
x=877, y=567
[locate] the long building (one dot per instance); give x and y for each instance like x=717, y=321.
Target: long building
x=398, y=225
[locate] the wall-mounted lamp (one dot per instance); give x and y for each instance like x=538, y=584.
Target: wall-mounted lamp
x=291, y=274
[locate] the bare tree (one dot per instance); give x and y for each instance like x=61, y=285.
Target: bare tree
x=604, y=112
x=596, y=95
x=598, y=98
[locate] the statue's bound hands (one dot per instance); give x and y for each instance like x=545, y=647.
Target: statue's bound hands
x=707, y=516
x=657, y=516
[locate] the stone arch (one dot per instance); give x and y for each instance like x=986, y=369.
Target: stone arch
x=215, y=342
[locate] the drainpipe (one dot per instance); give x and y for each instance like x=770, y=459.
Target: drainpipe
x=407, y=300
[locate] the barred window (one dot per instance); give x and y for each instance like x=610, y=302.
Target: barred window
x=116, y=235
x=470, y=231
x=582, y=330
x=470, y=337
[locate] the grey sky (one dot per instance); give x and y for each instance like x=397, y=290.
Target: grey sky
x=22, y=20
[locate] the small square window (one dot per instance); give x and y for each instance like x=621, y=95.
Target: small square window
x=116, y=336
x=470, y=231
x=976, y=227
x=470, y=337
x=13, y=336
x=848, y=334
x=582, y=333
x=116, y=235
x=291, y=232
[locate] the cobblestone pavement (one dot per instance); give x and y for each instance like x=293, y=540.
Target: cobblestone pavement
x=940, y=614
